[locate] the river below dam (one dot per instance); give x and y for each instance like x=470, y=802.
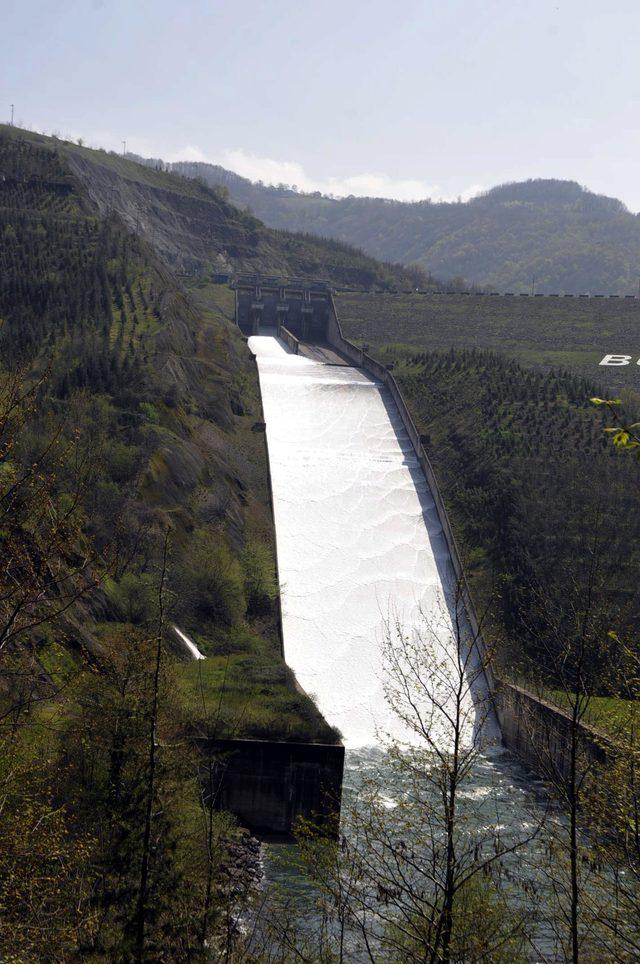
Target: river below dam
x=358, y=537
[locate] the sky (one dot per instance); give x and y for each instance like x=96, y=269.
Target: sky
x=421, y=98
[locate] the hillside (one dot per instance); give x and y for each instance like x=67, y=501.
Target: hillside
x=194, y=228
x=567, y=333
x=556, y=232
x=535, y=492
x=133, y=499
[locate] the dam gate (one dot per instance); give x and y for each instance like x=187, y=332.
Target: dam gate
x=302, y=307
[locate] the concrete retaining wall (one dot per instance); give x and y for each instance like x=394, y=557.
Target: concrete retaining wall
x=268, y=785
x=273, y=517
x=289, y=339
x=540, y=734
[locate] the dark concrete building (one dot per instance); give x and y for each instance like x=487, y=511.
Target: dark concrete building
x=301, y=306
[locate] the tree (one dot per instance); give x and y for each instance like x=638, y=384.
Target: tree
x=585, y=658
x=416, y=875
x=625, y=435
x=47, y=566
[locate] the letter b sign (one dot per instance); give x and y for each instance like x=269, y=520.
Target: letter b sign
x=616, y=360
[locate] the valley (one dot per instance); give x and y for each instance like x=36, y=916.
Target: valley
x=245, y=525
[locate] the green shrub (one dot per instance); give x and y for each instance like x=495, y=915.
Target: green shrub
x=121, y=460
x=134, y=597
x=260, y=585
x=211, y=581
x=150, y=411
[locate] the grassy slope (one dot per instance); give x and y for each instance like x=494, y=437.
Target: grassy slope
x=189, y=460
x=572, y=333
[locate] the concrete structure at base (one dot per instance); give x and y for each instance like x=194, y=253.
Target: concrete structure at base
x=301, y=306
x=269, y=784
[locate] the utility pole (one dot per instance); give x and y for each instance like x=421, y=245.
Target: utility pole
x=124, y=148
x=533, y=285
x=12, y=106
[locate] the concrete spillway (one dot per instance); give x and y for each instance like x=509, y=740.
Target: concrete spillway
x=357, y=531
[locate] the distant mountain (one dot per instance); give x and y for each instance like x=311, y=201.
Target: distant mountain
x=567, y=238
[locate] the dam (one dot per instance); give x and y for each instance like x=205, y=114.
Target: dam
x=365, y=545
x=360, y=547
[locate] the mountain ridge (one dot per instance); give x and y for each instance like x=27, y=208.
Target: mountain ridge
x=553, y=235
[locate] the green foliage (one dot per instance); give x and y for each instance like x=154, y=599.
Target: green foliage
x=45, y=859
x=150, y=411
x=252, y=696
x=104, y=768
x=527, y=477
x=260, y=585
x=134, y=597
x=482, y=918
x=623, y=435
x=210, y=580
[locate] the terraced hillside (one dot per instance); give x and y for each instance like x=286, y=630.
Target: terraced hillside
x=536, y=494
x=158, y=394
x=544, y=332
x=194, y=228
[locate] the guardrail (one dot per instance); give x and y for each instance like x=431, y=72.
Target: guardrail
x=480, y=294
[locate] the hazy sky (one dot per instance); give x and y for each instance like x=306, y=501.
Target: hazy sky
x=413, y=99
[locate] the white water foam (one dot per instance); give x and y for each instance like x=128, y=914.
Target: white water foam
x=188, y=645
x=357, y=531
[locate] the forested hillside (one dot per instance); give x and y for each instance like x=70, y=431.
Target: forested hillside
x=555, y=235
x=133, y=497
x=194, y=228
x=541, y=503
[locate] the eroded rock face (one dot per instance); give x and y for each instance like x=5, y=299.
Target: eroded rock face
x=185, y=229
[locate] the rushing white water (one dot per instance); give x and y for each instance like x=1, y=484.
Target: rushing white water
x=188, y=645
x=357, y=532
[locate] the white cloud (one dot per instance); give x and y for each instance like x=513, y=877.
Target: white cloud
x=266, y=169
x=188, y=153
x=472, y=191
x=269, y=170
x=368, y=184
